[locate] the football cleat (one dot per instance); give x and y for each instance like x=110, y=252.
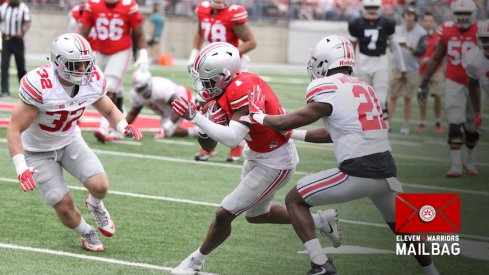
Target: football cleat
x=326, y=269
x=470, y=170
x=404, y=130
x=421, y=127
x=189, y=266
x=102, y=218
x=235, y=153
x=331, y=227
x=91, y=242
x=438, y=128
x=101, y=137
x=454, y=172
x=203, y=155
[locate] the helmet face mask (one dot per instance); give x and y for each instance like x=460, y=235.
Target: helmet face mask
x=464, y=13
x=73, y=59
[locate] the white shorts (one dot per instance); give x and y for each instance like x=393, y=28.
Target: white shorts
x=457, y=105
x=379, y=80
x=76, y=158
x=333, y=186
x=114, y=67
x=256, y=190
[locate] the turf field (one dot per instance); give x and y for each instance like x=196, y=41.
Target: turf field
x=163, y=202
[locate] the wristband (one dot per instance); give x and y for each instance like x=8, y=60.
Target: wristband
x=259, y=118
x=20, y=164
x=121, y=126
x=298, y=135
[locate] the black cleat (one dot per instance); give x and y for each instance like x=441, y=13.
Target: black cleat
x=326, y=269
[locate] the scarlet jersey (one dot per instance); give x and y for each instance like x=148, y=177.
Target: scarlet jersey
x=218, y=26
x=55, y=125
x=458, y=44
x=162, y=90
x=262, y=139
x=77, y=12
x=355, y=125
x=477, y=66
x=112, y=25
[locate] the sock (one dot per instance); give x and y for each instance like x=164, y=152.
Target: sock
x=469, y=157
x=456, y=156
x=430, y=269
x=94, y=201
x=315, y=251
x=83, y=227
x=198, y=255
x=318, y=221
x=192, y=132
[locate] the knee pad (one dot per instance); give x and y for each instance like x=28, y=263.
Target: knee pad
x=54, y=196
x=455, y=136
x=471, y=139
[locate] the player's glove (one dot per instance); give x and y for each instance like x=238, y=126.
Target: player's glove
x=477, y=120
x=191, y=59
x=256, y=105
x=423, y=91
x=24, y=173
x=142, y=63
x=131, y=130
x=184, y=108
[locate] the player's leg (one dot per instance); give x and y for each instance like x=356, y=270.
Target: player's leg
x=84, y=165
x=19, y=55
x=471, y=139
x=455, y=109
x=5, y=63
x=380, y=84
x=436, y=90
x=395, y=89
x=407, y=91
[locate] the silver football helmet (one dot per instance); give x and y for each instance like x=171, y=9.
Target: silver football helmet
x=331, y=52
x=214, y=68
x=371, y=9
x=464, y=12
x=483, y=36
x=73, y=58
x=141, y=82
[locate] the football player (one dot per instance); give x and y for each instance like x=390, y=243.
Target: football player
x=157, y=93
x=456, y=39
x=270, y=155
x=113, y=21
x=220, y=21
x=76, y=14
x=476, y=63
x=43, y=136
x=350, y=111
x=373, y=33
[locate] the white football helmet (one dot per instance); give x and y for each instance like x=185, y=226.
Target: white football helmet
x=218, y=4
x=464, y=12
x=214, y=68
x=331, y=52
x=73, y=58
x=483, y=36
x=371, y=9
x=141, y=82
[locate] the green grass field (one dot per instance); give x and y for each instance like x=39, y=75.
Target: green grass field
x=163, y=202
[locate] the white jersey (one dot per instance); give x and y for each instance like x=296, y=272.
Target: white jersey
x=162, y=90
x=355, y=124
x=477, y=66
x=55, y=126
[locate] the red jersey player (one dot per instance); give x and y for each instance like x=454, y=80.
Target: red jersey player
x=113, y=21
x=77, y=12
x=456, y=39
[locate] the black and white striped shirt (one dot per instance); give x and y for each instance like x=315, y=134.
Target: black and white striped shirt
x=12, y=18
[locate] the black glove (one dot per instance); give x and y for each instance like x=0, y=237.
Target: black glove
x=423, y=91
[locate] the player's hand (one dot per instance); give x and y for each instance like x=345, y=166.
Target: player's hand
x=423, y=92
x=184, y=108
x=142, y=63
x=477, y=120
x=256, y=101
x=26, y=179
x=215, y=113
x=136, y=134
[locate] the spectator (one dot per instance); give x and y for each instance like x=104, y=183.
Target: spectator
x=156, y=29
x=408, y=36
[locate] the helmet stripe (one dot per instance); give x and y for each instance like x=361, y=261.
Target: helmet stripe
x=83, y=43
x=347, y=48
x=206, y=50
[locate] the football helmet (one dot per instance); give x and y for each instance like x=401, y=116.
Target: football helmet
x=73, y=58
x=218, y=4
x=371, y=9
x=141, y=82
x=331, y=52
x=483, y=36
x=464, y=12
x=214, y=68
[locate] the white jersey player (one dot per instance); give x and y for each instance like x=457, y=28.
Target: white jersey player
x=43, y=136
x=476, y=63
x=157, y=93
x=352, y=114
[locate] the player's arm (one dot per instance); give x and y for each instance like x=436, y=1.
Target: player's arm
x=312, y=112
x=438, y=55
x=107, y=109
x=244, y=33
x=85, y=31
x=319, y=135
x=133, y=113
x=23, y=116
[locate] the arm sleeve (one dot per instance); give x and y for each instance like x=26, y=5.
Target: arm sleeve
x=230, y=136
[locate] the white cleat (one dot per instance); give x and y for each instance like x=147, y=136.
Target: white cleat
x=331, y=227
x=91, y=242
x=189, y=266
x=102, y=218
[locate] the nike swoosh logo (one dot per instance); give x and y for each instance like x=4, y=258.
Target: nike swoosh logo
x=322, y=271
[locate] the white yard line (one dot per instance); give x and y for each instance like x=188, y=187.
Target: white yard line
x=171, y=141
x=87, y=257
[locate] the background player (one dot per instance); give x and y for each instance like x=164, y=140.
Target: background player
x=373, y=32
x=43, y=136
x=351, y=113
x=157, y=93
x=270, y=155
x=113, y=21
x=456, y=39
x=220, y=21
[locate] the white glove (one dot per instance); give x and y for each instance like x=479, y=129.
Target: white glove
x=191, y=59
x=142, y=63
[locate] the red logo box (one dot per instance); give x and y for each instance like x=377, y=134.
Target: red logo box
x=427, y=213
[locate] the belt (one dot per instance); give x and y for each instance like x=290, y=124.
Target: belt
x=6, y=37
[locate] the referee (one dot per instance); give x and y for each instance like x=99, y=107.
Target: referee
x=15, y=20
